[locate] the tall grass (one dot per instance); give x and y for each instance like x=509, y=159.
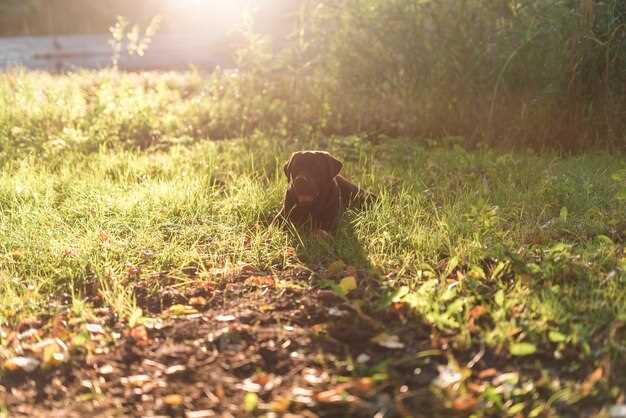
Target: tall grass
x=543, y=73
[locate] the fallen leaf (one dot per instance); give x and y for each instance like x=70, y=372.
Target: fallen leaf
x=477, y=312
x=197, y=301
x=54, y=355
x=511, y=378
x=29, y=334
x=173, y=400
x=225, y=318
x=591, y=380
x=51, y=351
x=206, y=413
x=262, y=378
x=487, y=373
x=464, y=403
x=18, y=253
x=260, y=281
x=280, y=405
x=25, y=364
x=104, y=236
x=335, y=395
x=94, y=328
x=250, y=402
x=388, y=341
x=139, y=333
x=314, y=376
x=303, y=396
x=348, y=284
x=522, y=349
x=177, y=369
x=136, y=380
x=476, y=388
x=364, y=385
x=106, y=369
x=181, y=310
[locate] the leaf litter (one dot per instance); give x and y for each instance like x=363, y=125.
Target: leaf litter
x=289, y=350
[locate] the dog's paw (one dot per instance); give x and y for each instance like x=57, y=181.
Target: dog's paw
x=321, y=234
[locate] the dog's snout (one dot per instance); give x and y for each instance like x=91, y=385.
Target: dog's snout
x=304, y=190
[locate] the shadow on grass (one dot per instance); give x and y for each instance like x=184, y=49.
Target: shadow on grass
x=344, y=245
x=360, y=317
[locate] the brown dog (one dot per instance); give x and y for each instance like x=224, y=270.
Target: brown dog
x=317, y=194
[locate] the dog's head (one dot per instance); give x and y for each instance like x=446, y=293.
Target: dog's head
x=309, y=173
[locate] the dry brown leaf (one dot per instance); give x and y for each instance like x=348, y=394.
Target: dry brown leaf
x=173, y=400
x=476, y=387
x=388, y=341
x=104, y=236
x=280, y=405
x=136, y=380
x=364, y=385
x=334, y=395
x=591, y=380
x=180, y=310
x=94, y=328
x=139, y=333
x=197, y=301
x=487, y=373
x=260, y=281
x=464, y=403
x=26, y=364
x=477, y=312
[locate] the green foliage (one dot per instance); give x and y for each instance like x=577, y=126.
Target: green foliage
x=108, y=183
x=526, y=72
x=529, y=72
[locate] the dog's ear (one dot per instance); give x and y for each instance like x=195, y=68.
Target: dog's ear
x=287, y=167
x=333, y=165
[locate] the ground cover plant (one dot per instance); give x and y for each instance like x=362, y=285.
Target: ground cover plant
x=139, y=274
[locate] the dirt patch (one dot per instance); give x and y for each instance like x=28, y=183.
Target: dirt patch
x=259, y=345
x=245, y=348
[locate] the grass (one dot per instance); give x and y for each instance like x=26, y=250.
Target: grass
x=534, y=239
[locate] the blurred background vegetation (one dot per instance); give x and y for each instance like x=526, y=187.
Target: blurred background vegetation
x=529, y=72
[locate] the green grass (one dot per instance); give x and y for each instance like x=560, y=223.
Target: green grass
x=535, y=238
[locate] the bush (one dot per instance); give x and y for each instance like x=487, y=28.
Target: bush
x=529, y=72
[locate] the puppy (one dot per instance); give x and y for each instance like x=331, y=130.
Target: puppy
x=317, y=195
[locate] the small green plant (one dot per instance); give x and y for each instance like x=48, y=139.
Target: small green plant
x=122, y=32
x=620, y=178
